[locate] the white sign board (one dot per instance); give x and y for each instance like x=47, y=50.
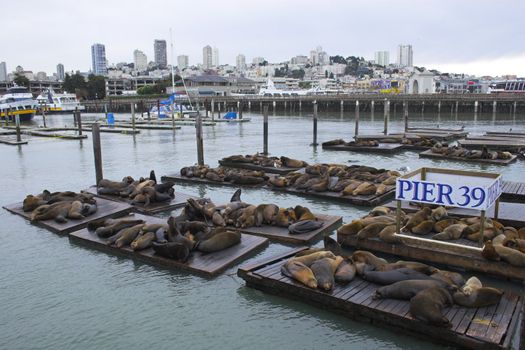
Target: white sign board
x=463, y=191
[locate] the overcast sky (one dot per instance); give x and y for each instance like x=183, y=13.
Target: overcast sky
x=476, y=37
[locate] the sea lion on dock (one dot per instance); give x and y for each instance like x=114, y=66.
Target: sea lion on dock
x=443, y=224
x=379, y=211
x=265, y=214
x=365, y=189
x=388, y=235
x=128, y=235
x=304, y=226
x=285, y=217
x=428, y=305
x=471, y=285
x=332, y=245
x=393, y=276
x=143, y=241
x=450, y=233
x=448, y=277
x=292, y=163
x=414, y=265
x=405, y=290
x=309, y=259
x=115, y=185
x=60, y=212
x=303, y=213
x=351, y=228
x=299, y=272
x=489, y=252
x=371, y=231
x=418, y=218
x=31, y=202
x=172, y=250
x=324, y=270
x=116, y=226
x=512, y=256
x=368, y=258
x=278, y=181
x=438, y=214
x=345, y=272
x=381, y=189
x=423, y=228
x=221, y=240
x=160, y=235
x=478, y=297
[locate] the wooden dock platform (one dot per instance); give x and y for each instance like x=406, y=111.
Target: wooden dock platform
x=53, y=134
x=513, y=192
x=510, y=145
x=256, y=167
x=281, y=234
x=143, y=126
x=210, y=265
x=369, y=200
x=473, y=328
x=11, y=140
x=105, y=209
x=177, y=202
x=388, y=148
x=432, y=155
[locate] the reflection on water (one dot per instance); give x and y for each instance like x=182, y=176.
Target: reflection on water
x=69, y=296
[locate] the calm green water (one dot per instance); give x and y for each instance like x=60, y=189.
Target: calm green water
x=59, y=295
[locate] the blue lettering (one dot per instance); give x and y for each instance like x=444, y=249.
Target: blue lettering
x=415, y=197
x=428, y=189
x=404, y=185
x=465, y=195
x=444, y=192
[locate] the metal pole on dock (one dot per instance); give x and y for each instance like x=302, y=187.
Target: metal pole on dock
x=342, y=105
x=476, y=107
x=79, y=122
x=514, y=107
x=200, y=144
x=97, y=151
x=457, y=106
x=494, y=107
x=265, y=129
x=439, y=107
x=105, y=112
x=133, y=117
x=314, y=143
x=212, y=109
x=405, y=114
x=356, y=118
x=372, y=103
x=386, y=111
x=17, y=121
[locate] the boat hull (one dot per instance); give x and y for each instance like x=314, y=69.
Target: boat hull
x=25, y=115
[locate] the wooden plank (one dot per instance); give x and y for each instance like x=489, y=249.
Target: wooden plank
x=497, y=318
x=257, y=167
x=210, y=264
x=430, y=154
x=508, y=315
x=510, y=145
x=282, y=234
x=178, y=201
x=267, y=261
x=105, y=209
x=380, y=148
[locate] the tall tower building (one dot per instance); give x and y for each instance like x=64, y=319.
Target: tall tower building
x=140, y=60
x=240, y=62
x=159, y=48
x=98, y=59
x=382, y=58
x=183, y=61
x=215, y=57
x=404, y=56
x=207, y=57
x=3, y=71
x=60, y=72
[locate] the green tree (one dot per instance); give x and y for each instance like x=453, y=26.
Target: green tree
x=75, y=83
x=96, y=87
x=146, y=90
x=331, y=75
x=305, y=84
x=297, y=74
x=21, y=80
x=337, y=59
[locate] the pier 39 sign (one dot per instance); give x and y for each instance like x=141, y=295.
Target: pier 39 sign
x=454, y=188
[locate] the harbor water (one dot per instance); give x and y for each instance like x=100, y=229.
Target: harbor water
x=56, y=294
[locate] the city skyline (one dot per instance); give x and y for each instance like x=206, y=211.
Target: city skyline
x=434, y=31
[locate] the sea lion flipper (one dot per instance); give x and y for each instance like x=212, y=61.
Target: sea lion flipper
x=236, y=196
x=152, y=176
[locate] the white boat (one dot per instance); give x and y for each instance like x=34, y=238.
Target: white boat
x=58, y=102
x=18, y=101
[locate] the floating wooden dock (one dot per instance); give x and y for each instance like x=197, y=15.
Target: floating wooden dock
x=143, y=126
x=257, y=167
x=432, y=155
x=209, y=265
x=388, y=148
x=513, y=146
x=474, y=328
x=105, y=209
x=369, y=200
x=11, y=140
x=177, y=202
x=518, y=134
x=513, y=192
x=60, y=135
x=281, y=234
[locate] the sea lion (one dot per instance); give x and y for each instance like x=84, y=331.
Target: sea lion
x=381, y=189
x=218, y=220
x=144, y=241
x=304, y=226
x=345, y=272
x=443, y=224
x=378, y=211
x=174, y=235
x=438, y=214
x=154, y=227
x=489, y=252
x=405, y=290
x=414, y=265
x=31, y=202
x=303, y=213
x=309, y=259
x=324, y=270
x=160, y=235
x=479, y=297
x=59, y=212
x=364, y=189
x=172, y=250
x=512, y=256
x=116, y=185
x=219, y=241
x=371, y=231
x=449, y=277
x=332, y=245
x=284, y=217
x=116, y=226
x=471, y=285
x=351, y=228
x=292, y=163
x=299, y=272
x=388, y=235
x=349, y=189
x=417, y=218
x=451, y=232
x=423, y=228
x=265, y=214
x=510, y=232
x=499, y=240
x=309, y=251
x=128, y=235
x=392, y=276
x=368, y=258
x=428, y=304
x=278, y=181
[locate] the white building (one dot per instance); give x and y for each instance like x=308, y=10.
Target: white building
x=215, y=57
x=421, y=83
x=299, y=60
x=183, y=61
x=207, y=57
x=319, y=57
x=404, y=56
x=258, y=60
x=3, y=71
x=382, y=58
x=98, y=59
x=240, y=62
x=41, y=76
x=159, y=49
x=140, y=61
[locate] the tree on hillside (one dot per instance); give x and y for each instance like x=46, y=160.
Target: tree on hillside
x=21, y=80
x=337, y=59
x=96, y=87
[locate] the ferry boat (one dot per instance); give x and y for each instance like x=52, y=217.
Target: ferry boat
x=18, y=101
x=58, y=103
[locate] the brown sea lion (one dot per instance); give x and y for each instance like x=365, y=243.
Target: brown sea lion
x=292, y=163
x=309, y=259
x=371, y=231
x=392, y=276
x=220, y=241
x=450, y=233
x=423, y=228
x=443, y=224
x=364, y=189
x=247, y=219
x=351, y=228
x=479, y=297
x=428, y=305
x=489, y=252
x=128, y=235
x=299, y=272
x=414, y=265
x=31, y=202
x=449, y=277
x=388, y=235
x=391, y=181
x=144, y=241
x=304, y=226
x=285, y=217
x=60, y=212
x=345, y=272
x=265, y=214
x=351, y=187
x=303, y=213
x=324, y=270
x=278, y=181
x=438, y=214
x=417, y=218
x=471, y=285
x=114, y=227
x=172, y=250
x=378, y=211
x=309, y=251
x=368, y=258
x=405, y=290
x=512, y=256
x=381, y=189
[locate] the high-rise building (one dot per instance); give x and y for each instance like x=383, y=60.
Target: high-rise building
x=207, y=57
x=215, y=57
x=3, y=71
x=240, y=62
x=140, y=60
x=404, y=56
x=183, y=61
x=318, y=56
x=98, y=59
x=382, y=58
x=159, y=48
x=60, y=71
x=258, y=60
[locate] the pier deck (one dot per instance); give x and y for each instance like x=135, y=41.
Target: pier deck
x=388, y=148
x=513, y=192
x=11, y=140
x=432, y=155
x=105, y=209
x=266, y=169
x=474, y=328
x=511, y=145
x=177, y=202
x=210, y=265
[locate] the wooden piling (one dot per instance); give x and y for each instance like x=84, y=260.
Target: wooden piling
x=457, y=106
x=79, y=122
x=342, y=105
x=133, y=116
x=476, y=107
x=405, y=114
x=200, y=144
x=514, y=107
x=106, y=111
x=265, y=129
x=75, y=117
x=97, y=151
x=372, y=103
x=241, y=106
x=158, y=109
x=212, y=109
x=423, y=107
x=356, y=118
x=17, y=121
x=439, y=107
x=44, y=115
x=314, y=143
x=386, y=113
x=494, y=107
